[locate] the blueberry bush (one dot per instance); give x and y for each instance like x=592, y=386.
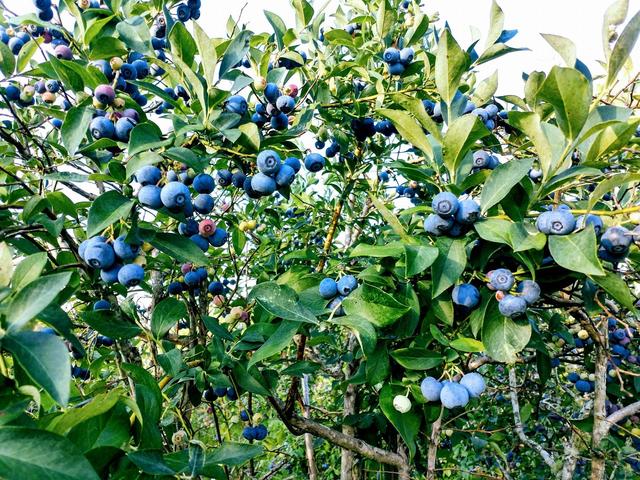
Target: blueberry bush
x=328, y=250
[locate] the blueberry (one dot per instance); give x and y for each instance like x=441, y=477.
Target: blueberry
x=123, y=128
x=244, y=416
x=620, y=351
x=175, y=195
x=454, y=395
x=148, y=175
x=15, y=45
x=271, y=92
x=263, y=184
x=529, y=290
x=174, y=288
x=142, y=68
x=104, y=94
x=204, y=183
x=501, y=279
x=236, y=104
x=431, y=389
x=559, y=222
x=336, y=304
x=512, y=306
x=149, y=195
x=231, y=394
x=192, y=278
x=224, y=178
x=573, y=377
x=110, y=275
x=82, y=248
x=100, y=255
x=468, y=212
x=268, y=162
x=260, y=432
x=347, y=284
x=293, y=163
x=436, y=225
x=391, y=55
x=607, y=256
x=616, y=240
x=314, y=162
x=474, y=383
x=285, y=176
x=102, y=127
x=238, y=178
x=200, y=241
x=445, y=204
x=248, y=433
x=128, y=72
x=620, y=334
x=328, y=288
x=12, y=93
x=81, y=373
x=215, y=288
x=131, y=275
x=466, y=295
x=219, y=237
x=406, y=56
x=102, y=305
x=124, y=250
x=535, y=174
x=395, y=69
x=285, y=104
x=583, y=386
x=203, y=204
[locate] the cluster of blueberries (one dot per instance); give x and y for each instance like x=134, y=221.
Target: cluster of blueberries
x=44, y=9
x=276, y=107
x=484, y=160
x=512, y=304
x=398, y=60
x=337, y=291
x=212, y=394
x=175, y=196
x=451, y=217
x=453, y=394
x=111, y=258
x=193, y=278
x=619, y=343
x=582, y=382
x=273, y=174
x=410, y=190
x=490, y=114
x=25, y=96
x=116, y=125
x=188, y=11
x=258, y=432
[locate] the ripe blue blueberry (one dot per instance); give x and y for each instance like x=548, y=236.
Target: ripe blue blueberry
x=268, y=162
x=556, y=222
x=573, y=377
x=436, y=225
x=236, y=104
x=285, y=103
x=406, y=56
x=431, y=389
x=285, y=176
x=15, y=44
x=501, y=279
x=224, y=178
x=204, y=183
x=466, y=295
x=200, y=241
x=279, y=121
x=220, y=391
x=271, y=92
x=124, y=250
x=468, y=212
x=131, y=275
x=142, y=68
x=454, y=395
x=263, y=184
x=231, y=394
x=590, y=220
x=391, y=55
x=102, y=305
x=445, y=204
x=512, y=306
x=314, y=162
x=215, y=288
x=395, y=68
x=128, y=72
x=219, y=237
x=110, y=275
x=102, y=127
x=100, y=255
x=616, y=240
x=260, y=432
x=347, y=284
x=244, y=416
x=293, y=163
x=237, y=179
x=474, y=383
x=583, y=386
x=149, y=195
x=336, y=304
x=175, y=195
x=248, y=433
x=174, y=288
x=328, y=288
x=82, y=248
x=192, y=278
x=148, y=175
x=203, y=203
x=12, y=93
x=529, y=290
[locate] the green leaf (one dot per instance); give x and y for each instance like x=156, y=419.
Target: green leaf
x=101, y=403
x=530, y=124
x=135, y=33
x=186, y=156
x=416, y=108
x=486, y=89
x=28, y=270
x=230, y=453
x=394, y=249
x=376, y=306
x=390, y=218
x=74, y=128
x=144, y=136
x=418, y=258
x=611, y=139
x=464, y=344
x=7, y=61
x=623, y=48
x=27, y=52
x=577, y=252
x=613, y=16
x=182, y=43
x=111, y=324
x=417, y=358
x=278, y=26
x=502, y=179
x=463, y=132
x=408, y=129
x=208, y=55
x=496, y=24
x=33, y=298
x=449, y=265
x=503, y=337
x=140, y=160
x=179, y=247
x=569, y=92
x=362, y=329
x=451, y=64
x=277, y=342
x=407, y=424
x=45, y=358
x=607, y=185
x=107, y=209
x=27, y=453
x=236, y=50
x=282, y=302
x=167, y=314
x=565, y=47
x=494, y=230
x=6, y=264
x=384, y=18
x=615, y=286
x=304, y=13
x=150, y=461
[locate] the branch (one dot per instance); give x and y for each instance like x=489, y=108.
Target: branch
x=513, y=386
x=621, y=414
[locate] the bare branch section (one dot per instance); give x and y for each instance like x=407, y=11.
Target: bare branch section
x=515, y=404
